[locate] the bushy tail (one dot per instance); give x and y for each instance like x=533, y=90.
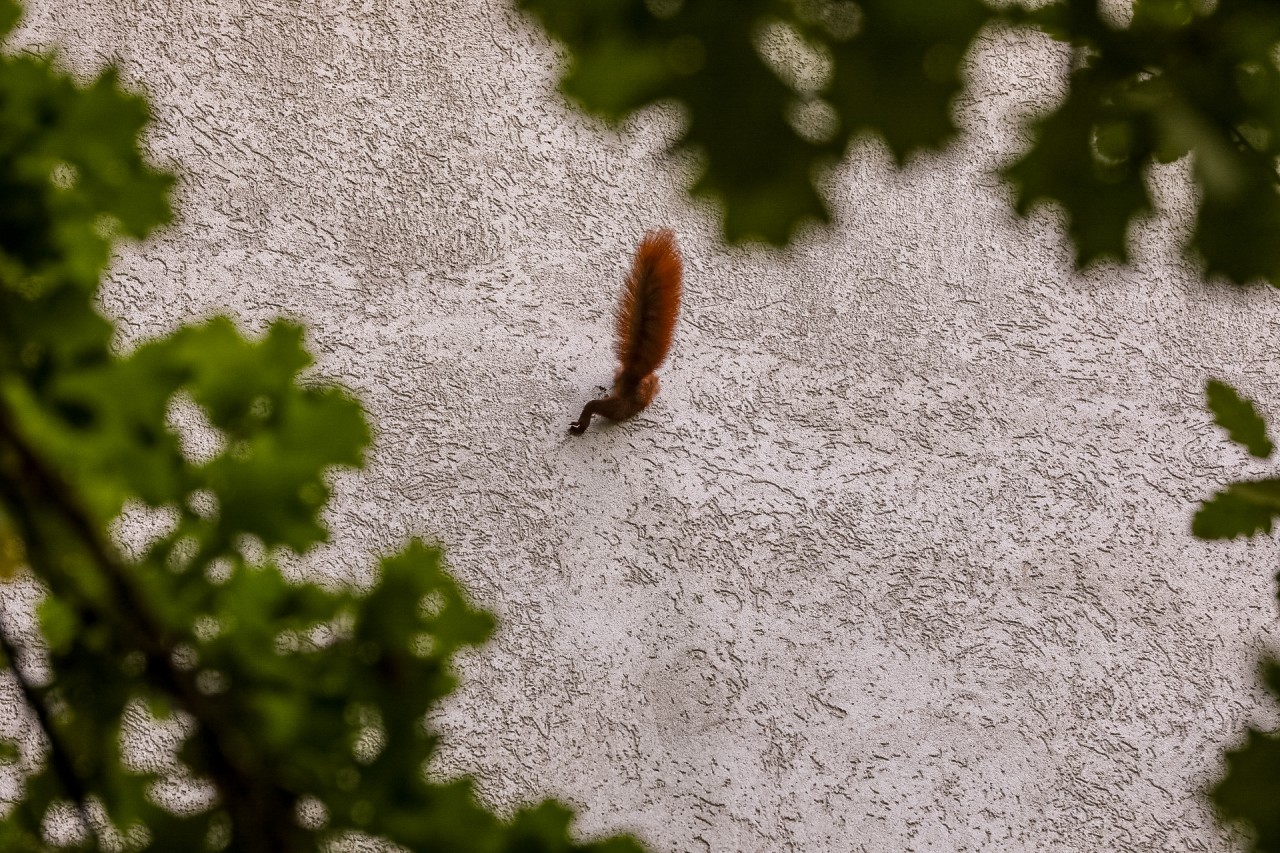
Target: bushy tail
x=649, y=305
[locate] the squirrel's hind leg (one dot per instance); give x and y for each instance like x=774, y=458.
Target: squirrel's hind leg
x=579, y=426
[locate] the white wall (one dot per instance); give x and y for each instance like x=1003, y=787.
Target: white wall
x=899, y=560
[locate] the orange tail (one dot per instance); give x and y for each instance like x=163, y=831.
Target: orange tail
x=649, y=305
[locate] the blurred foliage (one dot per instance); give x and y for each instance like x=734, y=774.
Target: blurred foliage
x=303, y=708
x=774, y=91
x=1181, y=78
x=1247, y=507
x=1239, y=418
x=1249, y=794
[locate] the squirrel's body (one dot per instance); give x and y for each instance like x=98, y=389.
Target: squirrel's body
x=645, y=322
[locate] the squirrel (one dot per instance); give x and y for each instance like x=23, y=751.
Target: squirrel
x=645, y=321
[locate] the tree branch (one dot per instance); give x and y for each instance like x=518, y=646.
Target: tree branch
x=59, y=756
x=1245, y=145
x=261, y=812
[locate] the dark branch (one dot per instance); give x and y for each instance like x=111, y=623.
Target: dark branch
x=261, y=812
x=1243, y=144
x=59, y=756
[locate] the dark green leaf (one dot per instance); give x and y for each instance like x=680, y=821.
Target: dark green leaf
x=895, y=71
x=1239, y=418
x=10, y=13
x=72, y=164
x=1250, y=792
x=1236, y=234
x=1241, y=509
x=900, y=74
x=1088, y=157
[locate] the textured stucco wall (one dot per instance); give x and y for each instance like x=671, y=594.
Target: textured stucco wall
x=899, y=559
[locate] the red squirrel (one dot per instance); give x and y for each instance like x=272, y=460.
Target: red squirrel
x=645, y=321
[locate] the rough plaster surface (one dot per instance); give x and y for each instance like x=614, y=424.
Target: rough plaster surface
x=898, y=560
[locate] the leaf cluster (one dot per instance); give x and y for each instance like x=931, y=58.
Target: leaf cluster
x=1182, y=78
x=1248, y=507
x=72, y=177
x=303, y=708
x=1249, y=792
x=773, y=90
x=766, y=114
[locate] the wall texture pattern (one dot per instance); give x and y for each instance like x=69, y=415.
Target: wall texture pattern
x=899, y=560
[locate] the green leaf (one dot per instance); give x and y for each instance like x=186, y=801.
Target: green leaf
x=106, y=424
x=543, y=829
x=59, y=623
x=238, y=381
x=896, y=69
x=898, y=77
x=1241, y=509
x=1236, y=233
x=622, y=57
x=10, y=14
x=1239, y=418
x=1089, y=158
x=1250, y=792
x=1162, y=14
x=73, y=166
